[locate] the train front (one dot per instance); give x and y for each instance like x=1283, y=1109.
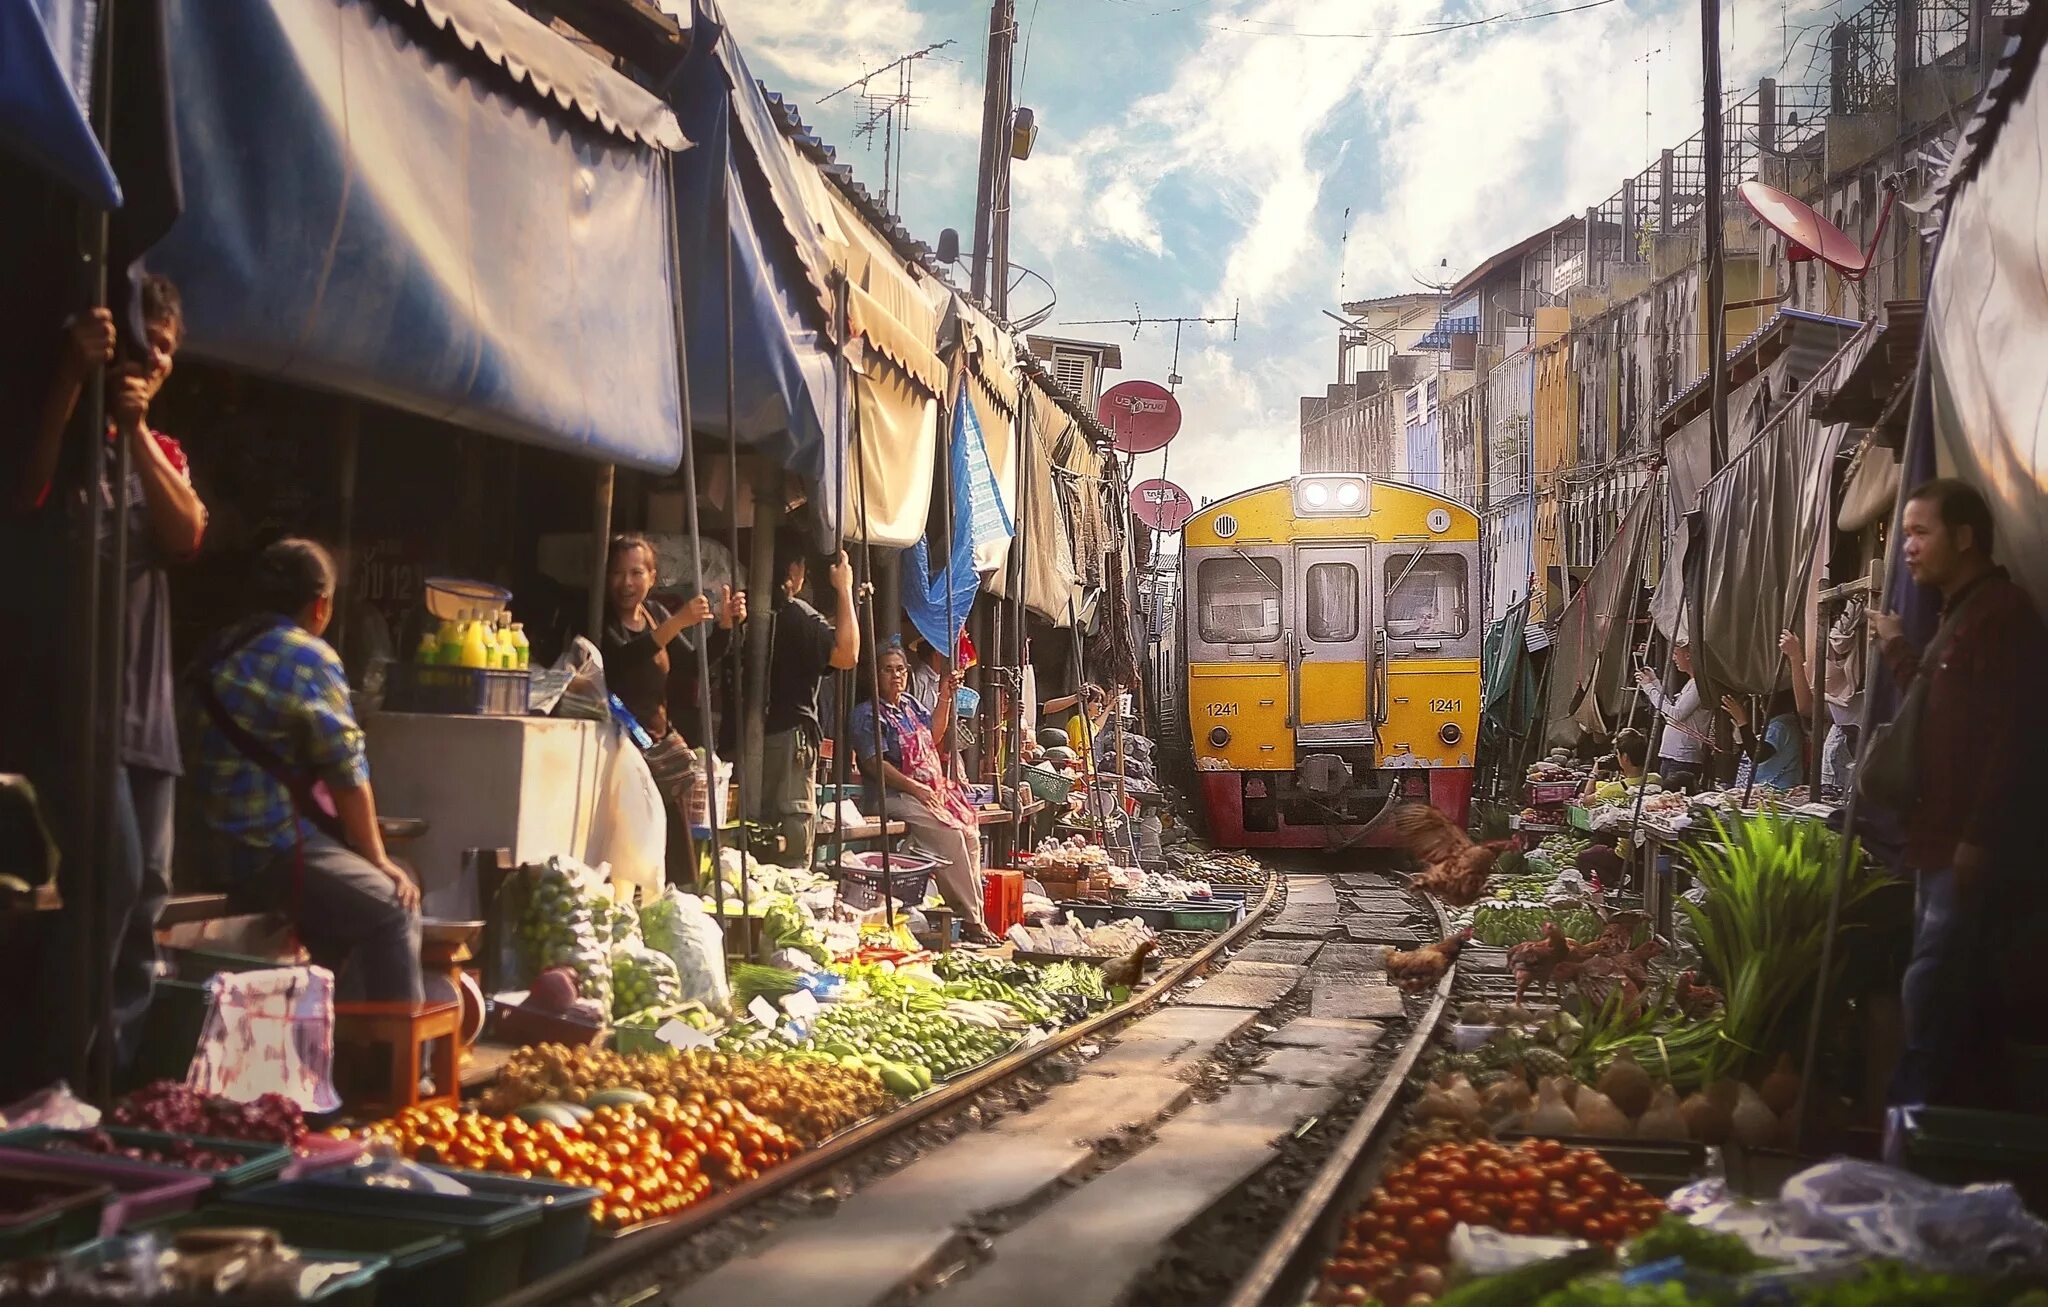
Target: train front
x=1331, y=631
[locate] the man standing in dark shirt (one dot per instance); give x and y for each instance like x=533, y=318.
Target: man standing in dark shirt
x=802, y=648
x=1979, y=739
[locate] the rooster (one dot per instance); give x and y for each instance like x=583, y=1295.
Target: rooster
x=1614, y=939
x=1537, y=959
x=1129, y=969
x=1693, y=998
x=1454, y=869
x=1416, y=970
x=1635, y=964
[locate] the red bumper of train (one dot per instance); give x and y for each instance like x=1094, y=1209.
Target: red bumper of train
x=1224, y=802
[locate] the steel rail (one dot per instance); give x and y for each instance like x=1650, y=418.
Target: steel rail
x=1280, y=1276
x=629, y=1251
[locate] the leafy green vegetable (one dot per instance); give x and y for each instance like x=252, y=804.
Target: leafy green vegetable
x=1607, y=1292
x=1889, y=1284
x=1704, y=1250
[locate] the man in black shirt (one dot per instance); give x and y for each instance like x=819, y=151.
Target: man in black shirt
x=802, y=648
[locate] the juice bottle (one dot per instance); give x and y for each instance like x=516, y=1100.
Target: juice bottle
x=522, y=648
x=429, y=651
x=450, y=641
x=475, y=653
x=502, y=655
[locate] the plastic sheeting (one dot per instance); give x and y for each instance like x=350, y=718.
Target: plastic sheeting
x=377, y=214
x=1759, y=523
x=1987, y=317
x=938, y=602
x=1589, y=654
x=46, y=66
x=785, y=403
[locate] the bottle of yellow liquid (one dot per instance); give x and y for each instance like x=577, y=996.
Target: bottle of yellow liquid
x=475, y=649
x=522, y=648
x=450, y=642
x=503, y=658
x=429, y=651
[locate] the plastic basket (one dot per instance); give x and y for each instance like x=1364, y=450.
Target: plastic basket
x=910, y=879
x=41, y=1213
x=496, y=1232
x=138, y=1196
x=1545, y=793
x=564, y=1216
x=457, y=691
x=419, y=1263
x=260, y=1162
x=1050, y=786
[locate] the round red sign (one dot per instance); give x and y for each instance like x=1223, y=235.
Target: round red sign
x=1161, y=505
x=1142, y=415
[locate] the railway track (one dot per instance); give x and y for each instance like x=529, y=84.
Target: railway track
x=1187, y=1146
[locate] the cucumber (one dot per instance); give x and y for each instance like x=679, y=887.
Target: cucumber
x=1525, y=1284
x=556, y=1114
x=621, y=1098
x=923, y=1074
x=899, y=1081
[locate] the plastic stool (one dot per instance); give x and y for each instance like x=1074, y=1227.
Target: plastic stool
x=407, y=1031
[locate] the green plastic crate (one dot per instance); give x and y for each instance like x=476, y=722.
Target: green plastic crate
x=497, y=1232
x=43, y=1213
x=420, y=1263
x=565, y=1225
x=260, y=1162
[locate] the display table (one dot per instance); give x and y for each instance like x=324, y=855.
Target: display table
x=528, y=784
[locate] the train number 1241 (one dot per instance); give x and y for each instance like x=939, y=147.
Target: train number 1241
x=1446, y=705
x=1223, y=710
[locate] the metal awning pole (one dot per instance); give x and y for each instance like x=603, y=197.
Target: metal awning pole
x=1019, y=543
x=741, y=729
x=843, y=681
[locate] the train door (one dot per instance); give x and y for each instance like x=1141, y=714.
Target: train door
x=1330, y=643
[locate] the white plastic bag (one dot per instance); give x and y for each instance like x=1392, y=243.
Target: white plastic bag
x=629, y=827
x=56, y=1107
x=678, y=925
x=1982, y=1230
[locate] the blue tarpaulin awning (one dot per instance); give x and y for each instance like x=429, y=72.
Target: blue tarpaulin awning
x=46, y=63
x=1447, y=327
x=440, y=205
x=743, y=180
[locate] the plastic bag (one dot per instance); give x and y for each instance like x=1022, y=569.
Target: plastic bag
x=382, y=1167
x=643, y=978
x=678, y=925
x=629, y=827
x=1982, y=1230
x=269, y=1032
x=558, y=927
x=56, y=1107
x=617, y=922
x=583, y=694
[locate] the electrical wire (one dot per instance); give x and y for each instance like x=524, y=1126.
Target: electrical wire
x=1438, y=29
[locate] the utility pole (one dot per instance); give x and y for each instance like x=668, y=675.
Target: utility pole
x=992, y=187
x=1714, y=185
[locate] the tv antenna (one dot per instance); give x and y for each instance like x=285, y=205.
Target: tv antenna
x=887, y=113
x=1137, y=322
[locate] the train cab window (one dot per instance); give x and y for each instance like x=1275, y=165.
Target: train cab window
x=1426, y=600
x=1240, y=601
x=1332, y=602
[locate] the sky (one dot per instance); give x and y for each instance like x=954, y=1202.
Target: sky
x=1268, y=158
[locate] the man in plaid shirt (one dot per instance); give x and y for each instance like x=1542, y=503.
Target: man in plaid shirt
x=287, y=783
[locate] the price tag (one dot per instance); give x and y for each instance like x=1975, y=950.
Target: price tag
x=801, y=1005
x=683, y=1037
x=763, y=1012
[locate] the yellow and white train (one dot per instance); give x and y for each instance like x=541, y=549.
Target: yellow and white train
x=1328, y=649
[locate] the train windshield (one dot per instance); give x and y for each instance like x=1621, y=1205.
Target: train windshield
x=1426, y=597
x=1240, y=599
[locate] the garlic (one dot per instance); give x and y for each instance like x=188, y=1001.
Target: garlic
x=1661, y=1119
x=1550, y=1116
x=1599, y=1117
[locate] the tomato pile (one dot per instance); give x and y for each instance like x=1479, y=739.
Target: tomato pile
x=647, y=1162
x=1393, y=1245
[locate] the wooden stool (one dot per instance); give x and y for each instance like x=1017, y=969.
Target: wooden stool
x=407, y=1031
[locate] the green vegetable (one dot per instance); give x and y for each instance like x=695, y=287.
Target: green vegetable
x=1889, y=1284
x=1703, y=1250
x=1607, y=1292
x=750, y=979
x=1522, y=1286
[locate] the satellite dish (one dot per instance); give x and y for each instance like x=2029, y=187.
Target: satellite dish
x=1142, y=415
x=1161, y=505
x=1810, y=236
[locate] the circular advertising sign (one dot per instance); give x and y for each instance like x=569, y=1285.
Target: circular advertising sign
x=1161, y=505
x=1142, y=415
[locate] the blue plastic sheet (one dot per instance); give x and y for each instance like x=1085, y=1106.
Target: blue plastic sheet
x=46, y=64
x=374, y=209
x=736, y=182
x=978, y=516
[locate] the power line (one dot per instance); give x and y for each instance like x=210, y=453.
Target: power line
x=1438, y=29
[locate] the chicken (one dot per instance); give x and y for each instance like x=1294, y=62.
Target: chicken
x=1635, y=964
x=1416, y=970
x=1129, y=969
x=1538, y=958
x=1618, y=936
x=1454, y=869
x=1694, y=999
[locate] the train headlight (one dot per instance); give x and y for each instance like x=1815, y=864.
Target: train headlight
x=1450, y=734
x=1218, y=738
x=1329, y=494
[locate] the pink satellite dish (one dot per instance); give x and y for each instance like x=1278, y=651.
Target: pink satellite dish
x=1810, y=236
x=1142, y=415
x=1161, y=505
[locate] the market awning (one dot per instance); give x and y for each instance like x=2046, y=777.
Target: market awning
x=1759, y=520
x=1051, y=587
x=1589, y=652
x=1988, y=313
x=46, y=66
x=784, y=384
x=440, y=205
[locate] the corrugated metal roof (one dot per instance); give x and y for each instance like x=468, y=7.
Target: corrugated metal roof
x=1812, y=333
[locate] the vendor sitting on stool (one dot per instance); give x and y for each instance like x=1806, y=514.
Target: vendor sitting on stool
x=286, y=782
